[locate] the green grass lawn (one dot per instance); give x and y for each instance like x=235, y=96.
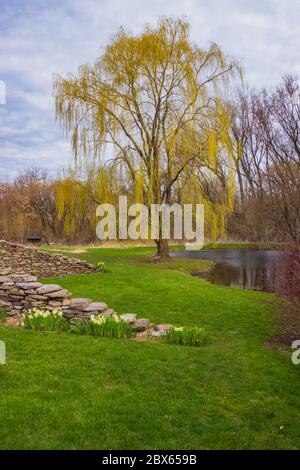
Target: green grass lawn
x=60, y=391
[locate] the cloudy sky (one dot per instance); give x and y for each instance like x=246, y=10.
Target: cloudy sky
x=41, y=37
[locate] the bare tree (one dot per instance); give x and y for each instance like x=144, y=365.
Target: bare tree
x=266, y=129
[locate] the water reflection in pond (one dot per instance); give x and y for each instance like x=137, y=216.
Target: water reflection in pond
x=247, y=269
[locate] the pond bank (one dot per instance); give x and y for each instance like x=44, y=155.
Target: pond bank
x=246, y=269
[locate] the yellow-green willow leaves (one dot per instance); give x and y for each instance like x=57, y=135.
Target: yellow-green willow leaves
x=152, y=108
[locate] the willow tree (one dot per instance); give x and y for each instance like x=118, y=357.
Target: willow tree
x=152, y=105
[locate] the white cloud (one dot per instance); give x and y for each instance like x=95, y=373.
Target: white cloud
x=39, y=38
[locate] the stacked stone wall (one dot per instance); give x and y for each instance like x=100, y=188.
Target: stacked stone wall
x=21, y=291
x=21, y=259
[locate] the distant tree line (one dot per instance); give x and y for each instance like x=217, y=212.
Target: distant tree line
x=266, y=128
x=265, y=132
x=28, y=206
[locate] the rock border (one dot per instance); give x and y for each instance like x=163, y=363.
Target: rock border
x=20, y=293
x=20, y=259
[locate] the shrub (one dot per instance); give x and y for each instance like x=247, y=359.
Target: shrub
x=287, y=284
x=98, y=325
x=45, y=320
x=288, y=275
x=186, y=336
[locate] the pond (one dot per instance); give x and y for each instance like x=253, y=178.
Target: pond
x=246, y=269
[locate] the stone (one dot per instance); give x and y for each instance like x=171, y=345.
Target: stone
x=12, y=321
x=141, y=324
x=5, y=279
x=95, y=307
x=7, y=285
x=160, y=330
x=79, y=303
x=67, y=314
x=5, y=271
x=88, y=314
x=55, y=303
x=14, y=313
x=156, y=334
x=51, y=307
x=23, y=278
x=20, y=291
x=29, y=278
x=28, y=285
x=142, y=336
x=16, y=292
x=109, y=312
x=36, y=297
x=48, y=289
x=129, y=317
x=24, y=261
x=7, y=307
x=163, y=327
x=60, y=294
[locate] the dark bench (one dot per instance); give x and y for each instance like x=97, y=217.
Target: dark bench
x=36, y=239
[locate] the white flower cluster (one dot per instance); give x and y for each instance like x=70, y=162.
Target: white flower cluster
x=100, y=265
x=178, y=328
x=187, y=329
x=100, y=319
x=36, y=313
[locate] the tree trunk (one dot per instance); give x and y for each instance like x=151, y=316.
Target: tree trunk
x=162, y=249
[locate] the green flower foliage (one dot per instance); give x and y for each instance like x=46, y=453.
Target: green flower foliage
x=98, y=325
x=44, y=320
x=2, y=316
x=187, y=336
